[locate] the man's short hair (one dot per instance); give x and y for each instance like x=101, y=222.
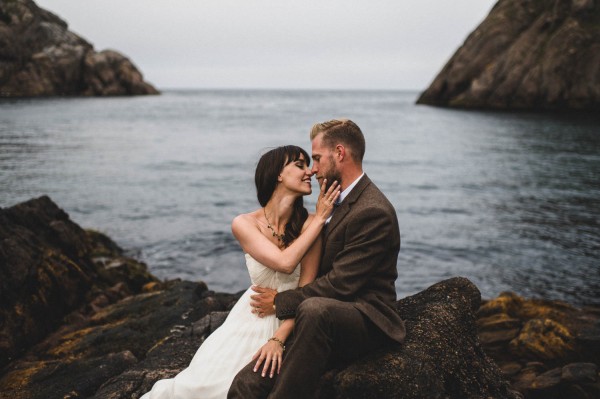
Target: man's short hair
x=342, y=131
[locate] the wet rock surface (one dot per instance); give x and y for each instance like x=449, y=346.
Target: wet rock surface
x=123, y=331
x=533, y=55
x=39, y=56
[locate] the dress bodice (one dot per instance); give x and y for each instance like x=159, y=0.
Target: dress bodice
x=269, y=278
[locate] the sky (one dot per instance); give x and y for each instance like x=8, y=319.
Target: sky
x=278, y=44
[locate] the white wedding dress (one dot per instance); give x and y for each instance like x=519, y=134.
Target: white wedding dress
x=230, y=347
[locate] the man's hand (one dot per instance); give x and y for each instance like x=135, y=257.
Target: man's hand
x=262, y=301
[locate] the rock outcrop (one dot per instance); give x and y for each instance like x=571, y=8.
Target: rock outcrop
x=535, y=55
x=49, y=267
x=98, y=325
x=39, y=56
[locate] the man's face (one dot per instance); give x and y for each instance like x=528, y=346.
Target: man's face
x=324, y=165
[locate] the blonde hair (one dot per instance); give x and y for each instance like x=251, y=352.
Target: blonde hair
x=342, y=131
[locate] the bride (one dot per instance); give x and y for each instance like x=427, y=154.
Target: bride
x=282, y=249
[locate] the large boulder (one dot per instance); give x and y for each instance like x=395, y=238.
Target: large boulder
x=440, y=358
x=526, y=55
x=39, y=56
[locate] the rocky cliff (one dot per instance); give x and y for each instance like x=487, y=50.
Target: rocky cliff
x=527, y=54
x=95, y=324
x=39, y=56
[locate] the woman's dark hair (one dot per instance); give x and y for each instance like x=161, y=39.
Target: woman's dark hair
x=268, y=169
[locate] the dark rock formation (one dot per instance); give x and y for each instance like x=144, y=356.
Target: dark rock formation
x=39, y=56
x=49, y=266
x=121, y=349
x=532, y=54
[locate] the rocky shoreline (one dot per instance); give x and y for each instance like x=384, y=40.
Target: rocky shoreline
x=78, y=319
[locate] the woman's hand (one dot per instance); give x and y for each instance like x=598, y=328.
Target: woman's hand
x=326, y=200
x=271, y=355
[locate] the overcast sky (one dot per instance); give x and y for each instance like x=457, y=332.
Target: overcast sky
x=337, y=44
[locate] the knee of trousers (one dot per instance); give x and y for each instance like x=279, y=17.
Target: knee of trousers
x=314, y=309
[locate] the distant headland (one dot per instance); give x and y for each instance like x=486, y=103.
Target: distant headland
x=40, y=57
x=526, y=55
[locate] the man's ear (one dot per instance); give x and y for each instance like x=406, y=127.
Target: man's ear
x=340, y=152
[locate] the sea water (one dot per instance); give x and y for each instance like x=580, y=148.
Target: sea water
x=508, y=200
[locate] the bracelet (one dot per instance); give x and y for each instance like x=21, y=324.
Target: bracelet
x=280, y=342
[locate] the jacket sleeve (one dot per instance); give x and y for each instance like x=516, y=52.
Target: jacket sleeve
x=367, y=242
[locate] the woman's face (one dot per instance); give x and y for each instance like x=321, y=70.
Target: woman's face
x=295, y=176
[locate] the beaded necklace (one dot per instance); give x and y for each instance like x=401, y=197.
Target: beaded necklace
x=275, y=234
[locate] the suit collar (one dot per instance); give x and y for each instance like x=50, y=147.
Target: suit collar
x=346, y=204
x=349, y=189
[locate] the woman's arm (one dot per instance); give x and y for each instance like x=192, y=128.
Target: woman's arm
x=271, y=353
x=246, y=231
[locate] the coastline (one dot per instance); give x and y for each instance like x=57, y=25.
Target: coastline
x=83, y=320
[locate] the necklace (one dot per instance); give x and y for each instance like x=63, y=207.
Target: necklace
x=275, y=234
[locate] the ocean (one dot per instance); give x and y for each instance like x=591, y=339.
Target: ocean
x=509, y=200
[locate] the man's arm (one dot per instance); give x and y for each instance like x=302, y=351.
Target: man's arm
x=367, y=243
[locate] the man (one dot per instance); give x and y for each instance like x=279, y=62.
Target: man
x=348, y=311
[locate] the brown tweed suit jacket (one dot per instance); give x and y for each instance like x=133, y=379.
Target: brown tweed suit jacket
x=358, y=262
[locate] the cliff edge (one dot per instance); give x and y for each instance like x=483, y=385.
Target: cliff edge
x=39, y=56
x=526, y=55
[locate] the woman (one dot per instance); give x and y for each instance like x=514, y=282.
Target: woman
x=282, y=251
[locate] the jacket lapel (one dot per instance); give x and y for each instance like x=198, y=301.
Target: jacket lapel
x=346, y=205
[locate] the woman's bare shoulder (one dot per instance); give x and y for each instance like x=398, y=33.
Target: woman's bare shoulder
x=245, y=219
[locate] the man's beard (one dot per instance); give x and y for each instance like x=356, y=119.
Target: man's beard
x=331, y=176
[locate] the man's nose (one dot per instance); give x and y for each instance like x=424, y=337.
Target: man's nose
x=314, y=170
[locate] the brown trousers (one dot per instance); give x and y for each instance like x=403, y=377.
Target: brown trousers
x=327, y=333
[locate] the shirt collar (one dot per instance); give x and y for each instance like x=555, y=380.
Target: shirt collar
x=345, y=193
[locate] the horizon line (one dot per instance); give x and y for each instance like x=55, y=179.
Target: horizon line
x=177, y=88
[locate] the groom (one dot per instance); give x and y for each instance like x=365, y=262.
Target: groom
x=348, y=311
